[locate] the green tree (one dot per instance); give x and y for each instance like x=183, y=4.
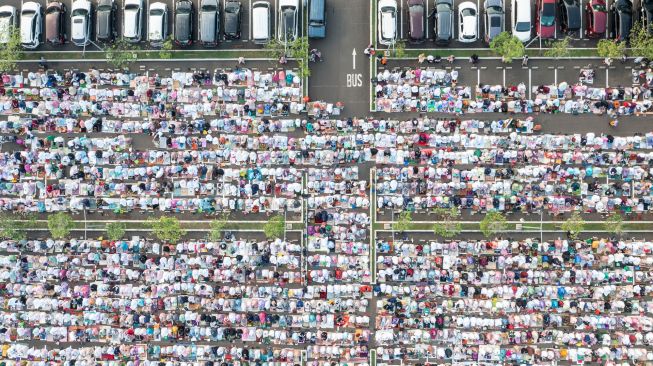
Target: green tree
x=115, y=230
x=15, y=226
x=274, y=49
x=60, y=225
x=404, y=222
x=574, y=225
x=12, y=51
x=299, y=51
x=167, y=229
x=507, y=46
x=614, y=224
x=120, y=54
x=641, y=41
x=275, y=227
x=610, y=49
x=217, y=228
x=559, y=49
x=165, y=52
x=493, y=222
x=447, y=222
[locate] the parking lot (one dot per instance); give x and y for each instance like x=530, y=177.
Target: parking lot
x=245, y=42
x=580, y=38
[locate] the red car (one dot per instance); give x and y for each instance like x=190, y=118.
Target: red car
x=597, y=18
x=545, y=18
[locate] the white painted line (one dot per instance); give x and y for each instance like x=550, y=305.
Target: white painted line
x=582, y=15
x=427, y=19
x=504, y=77
x=555, y=76
x=607, y=74
x=529, y=84
x=401, y=19
x=478, y=76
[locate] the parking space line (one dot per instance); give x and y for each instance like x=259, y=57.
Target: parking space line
x=401, y=19
x=427, y=19
x=504, y=76
x=478, y=76
x=607, y=75
x=555, y=76
x=529, y=84
x=582, y=14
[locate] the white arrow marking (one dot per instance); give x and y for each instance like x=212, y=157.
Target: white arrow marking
x=353, y=58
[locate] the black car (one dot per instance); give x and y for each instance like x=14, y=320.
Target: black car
x=647, y=15
x=232, y=15
x=570, y=14
x=184, y=22
x=105, y=17
x=622, y=19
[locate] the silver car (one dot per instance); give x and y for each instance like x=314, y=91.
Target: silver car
x=209, y=22
x=494, y=19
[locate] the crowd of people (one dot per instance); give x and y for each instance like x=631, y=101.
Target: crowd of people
x=437, y=90
x=239, y=142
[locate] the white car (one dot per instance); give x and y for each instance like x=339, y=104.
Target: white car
x=157, y=25
x=30, y=24
x=80, y=22
x=387, y=20
x=288, y=25
x=467, y=22
x=132, y=20
x=7, y=22
x=521, y=19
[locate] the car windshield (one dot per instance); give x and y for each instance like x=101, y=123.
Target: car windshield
x=548, y=14
x=495, y=22
x=5, y=14
x=443, y=8
x=523, y=26
x=183, y=10
x=600, y=8
x=52, y=9
x=494, y=10
x=233, y=8
x=104, y=8
x=468, y=12
x=156, y=12
x=27, y=15
x=209, y=8
x=79, y=12
x=131, y=7
x=78, y=21
x=387, y=9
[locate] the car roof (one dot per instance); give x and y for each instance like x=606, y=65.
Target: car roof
x=490, y=3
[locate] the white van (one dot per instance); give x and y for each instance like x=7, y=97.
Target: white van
x=261, y=22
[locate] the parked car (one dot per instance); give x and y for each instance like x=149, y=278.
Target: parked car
x=443, y=22
x=209, y=22
x=288, y=24
x=8, y=22
x=105, y=18
x=596, y=16
x=317, y=19
x=622, y=19
x=157, y=25
x=545, y=18
x=494, y=19
x=261, y=22
x=570, y=16
x=467, y=22
x=30, y=24
x=521, y=19
x=416, y=20
x=55, y=13
x=133, y=20
x=80, y=22
x=232, y=18
x=647, y=15
x=184, y=22
x=387, y=21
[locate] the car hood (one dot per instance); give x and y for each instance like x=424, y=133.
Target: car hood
x=230, y=22
x=103, y=23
